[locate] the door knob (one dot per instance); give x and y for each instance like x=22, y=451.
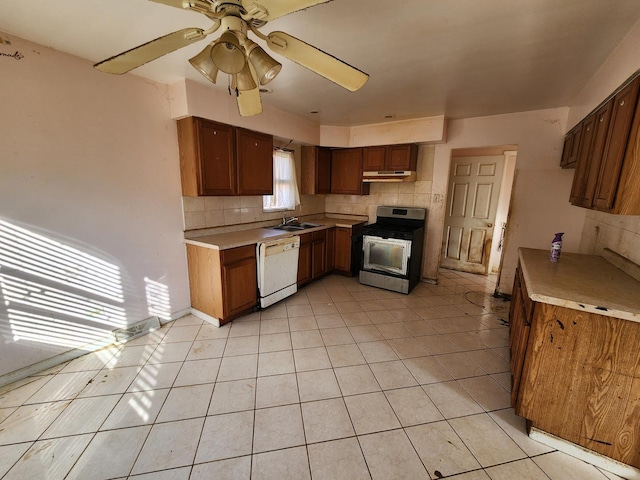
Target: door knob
x=489, y=225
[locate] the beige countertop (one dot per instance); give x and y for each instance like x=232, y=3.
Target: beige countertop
x=581, y=282
x=241, y=238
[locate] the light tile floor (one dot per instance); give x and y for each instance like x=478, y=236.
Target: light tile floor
x=340, y=381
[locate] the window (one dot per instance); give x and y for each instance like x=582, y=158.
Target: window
x=285, y=187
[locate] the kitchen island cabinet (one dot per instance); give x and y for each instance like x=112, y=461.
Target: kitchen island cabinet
x=575, y=361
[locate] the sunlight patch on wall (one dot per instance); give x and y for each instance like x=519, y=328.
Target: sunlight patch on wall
x=31, y=294
x=37, y=328
x=36, y=255
x=158, y=300
x=56, y=294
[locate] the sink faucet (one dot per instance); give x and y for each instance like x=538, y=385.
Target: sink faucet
x=286, y=220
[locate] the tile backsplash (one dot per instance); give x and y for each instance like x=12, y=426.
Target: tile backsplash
x=620, y=233
x=406, y=194
x=211, y=212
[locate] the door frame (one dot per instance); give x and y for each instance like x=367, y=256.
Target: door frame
x=504, y=198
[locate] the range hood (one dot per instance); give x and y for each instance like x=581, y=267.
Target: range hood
x=389, y=176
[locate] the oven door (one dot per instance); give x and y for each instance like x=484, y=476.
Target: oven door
x=386, y=255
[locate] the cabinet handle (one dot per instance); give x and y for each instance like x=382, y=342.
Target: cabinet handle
x=601, y=119
x=621, y=103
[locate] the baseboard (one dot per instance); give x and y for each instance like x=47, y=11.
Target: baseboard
x=605, y=463
x=51, y=362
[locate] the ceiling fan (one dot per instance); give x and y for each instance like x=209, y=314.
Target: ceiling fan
x=235, y=54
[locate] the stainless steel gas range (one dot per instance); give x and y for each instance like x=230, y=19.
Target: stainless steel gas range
x=392, y=248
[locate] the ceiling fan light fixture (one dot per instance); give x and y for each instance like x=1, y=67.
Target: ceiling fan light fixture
x=204, y=63
x=266, y=67
x=244, y=79
x=227, y=54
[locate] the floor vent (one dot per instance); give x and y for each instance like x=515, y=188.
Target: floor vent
x=136, y=329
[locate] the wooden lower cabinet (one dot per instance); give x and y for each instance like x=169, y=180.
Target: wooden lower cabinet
x=348, y=248
x=223, y=283
x=313, y=256
x=576, y=375
x=304, y=260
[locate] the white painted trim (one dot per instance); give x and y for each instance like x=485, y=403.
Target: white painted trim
x=205, y=317
x=609, y=464
x=50, y=363
x=176, y=315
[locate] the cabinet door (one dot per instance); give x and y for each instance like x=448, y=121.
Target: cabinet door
x=207, y=165
x=571, y=147
x=304, y=260
x=600, y=133
x=343, y=250
x=624, y=104
x=254, y=162
x=346, y=171
x=519, y=328
x=374, y=159
x=582, y=165
x=402, y=157
x=318, y=254
x=239, y=280
x=331, y=249
x=323, y=171
x=316, y=170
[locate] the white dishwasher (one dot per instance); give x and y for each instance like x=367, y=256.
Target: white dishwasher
x=277, y=269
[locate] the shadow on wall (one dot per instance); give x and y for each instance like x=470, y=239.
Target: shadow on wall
x=52, y=293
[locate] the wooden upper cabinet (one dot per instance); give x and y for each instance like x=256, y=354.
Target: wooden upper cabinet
x=623, y=108
x=219, y=159
x=607, y=174
x=316, y=170
x=390, y=157
x=572, y=147
x=207, y=157
x=374, y=158
x=582, y=163
x=254, y=162
x=346, y=172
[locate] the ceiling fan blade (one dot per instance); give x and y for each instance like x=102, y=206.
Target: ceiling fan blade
x=149, y=51
x=249, y=102
x=276, y=8
x=172, y=3
x=317, y=61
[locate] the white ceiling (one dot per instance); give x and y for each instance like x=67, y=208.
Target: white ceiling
x=459, y=58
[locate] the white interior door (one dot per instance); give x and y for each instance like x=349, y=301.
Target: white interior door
x=472, y=201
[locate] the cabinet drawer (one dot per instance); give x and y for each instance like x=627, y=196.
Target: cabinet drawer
x=235, y=254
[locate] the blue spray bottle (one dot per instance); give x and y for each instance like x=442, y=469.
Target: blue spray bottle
x=556, y=246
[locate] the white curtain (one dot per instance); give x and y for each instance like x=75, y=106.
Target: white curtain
x=285, y=187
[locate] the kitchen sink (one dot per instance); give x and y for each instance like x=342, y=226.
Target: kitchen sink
x=295, y=226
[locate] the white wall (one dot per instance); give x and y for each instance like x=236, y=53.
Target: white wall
x=89, y=162
x=540, y=199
